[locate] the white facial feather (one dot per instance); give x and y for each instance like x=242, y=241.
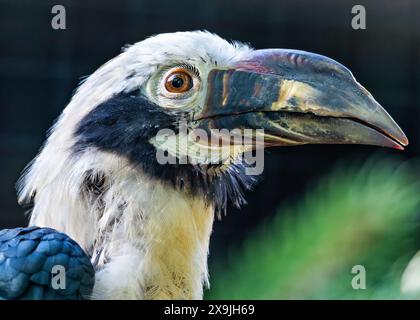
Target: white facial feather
x=158, y=247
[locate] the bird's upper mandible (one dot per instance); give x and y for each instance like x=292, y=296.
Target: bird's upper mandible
x=147, y=150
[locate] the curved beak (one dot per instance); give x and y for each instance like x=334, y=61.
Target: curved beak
x=297, y=97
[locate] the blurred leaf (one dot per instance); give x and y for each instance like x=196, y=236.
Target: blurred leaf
x=364, y=215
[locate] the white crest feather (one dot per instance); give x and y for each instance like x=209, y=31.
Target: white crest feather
x=158, y=247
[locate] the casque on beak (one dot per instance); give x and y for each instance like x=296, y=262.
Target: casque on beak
x=297, y=97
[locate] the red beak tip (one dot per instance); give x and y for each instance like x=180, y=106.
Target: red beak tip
x=399, y=147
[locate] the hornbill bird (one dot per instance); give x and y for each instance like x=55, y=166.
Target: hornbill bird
x=125, y=226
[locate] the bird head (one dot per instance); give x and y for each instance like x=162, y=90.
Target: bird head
x=180, y=83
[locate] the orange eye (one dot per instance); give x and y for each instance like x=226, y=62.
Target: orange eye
x=179, y=81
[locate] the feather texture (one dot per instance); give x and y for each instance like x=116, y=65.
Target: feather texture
x=27, y=258
x=146, y=239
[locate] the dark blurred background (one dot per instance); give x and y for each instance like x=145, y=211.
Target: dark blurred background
x=40, y=67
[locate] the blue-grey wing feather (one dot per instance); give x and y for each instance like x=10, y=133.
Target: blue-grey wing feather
x=27, y=258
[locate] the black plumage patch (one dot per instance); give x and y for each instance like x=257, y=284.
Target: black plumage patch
x=124, y=125
x=94, y=186
x=94, y=183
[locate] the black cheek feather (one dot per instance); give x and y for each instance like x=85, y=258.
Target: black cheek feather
x=125, y=123
x=121, y=124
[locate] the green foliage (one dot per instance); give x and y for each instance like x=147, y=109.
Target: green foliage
x=359, y=216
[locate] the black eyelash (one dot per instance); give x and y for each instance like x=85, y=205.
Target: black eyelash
x=191, y=68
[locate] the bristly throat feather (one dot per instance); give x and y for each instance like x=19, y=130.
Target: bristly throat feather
x=154, y=245
x=154, y=221
x=125, y=124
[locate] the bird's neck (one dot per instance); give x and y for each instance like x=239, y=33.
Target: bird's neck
x=147, y=240
x=153, y=244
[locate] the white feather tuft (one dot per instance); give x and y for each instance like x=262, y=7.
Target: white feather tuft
x=157, y=246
